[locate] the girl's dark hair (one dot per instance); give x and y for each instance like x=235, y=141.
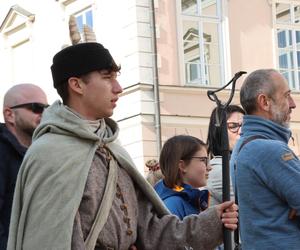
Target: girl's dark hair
x=214, y=132
x=179, y=147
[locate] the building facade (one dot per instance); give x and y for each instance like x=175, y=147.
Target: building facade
x=171, y=53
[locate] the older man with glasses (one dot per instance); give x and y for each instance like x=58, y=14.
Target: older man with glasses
x=22, y=110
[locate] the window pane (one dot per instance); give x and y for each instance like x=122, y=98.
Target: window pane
x=292, y=79
x=284, y=38
x=193, y=70
x=298, y=59
x=211, y=43
x=283, y=61
x=190, y=31
x=289, y=76
x=297, y=13
x=79, y=20
x=283, y=13
x=290, y=40
x=209, y=7
x=189, y=7
x=190, y=40
x=191, y=51
x=298, y=37
x=201, y=51
x=214, y=75
x=191, y=59
x=281, y=39
x=291, y=59
x=286, y=59
x=89, y=18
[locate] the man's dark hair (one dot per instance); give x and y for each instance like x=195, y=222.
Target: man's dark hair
x=214, y=132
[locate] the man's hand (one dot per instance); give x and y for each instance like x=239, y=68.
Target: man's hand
x=227, y=212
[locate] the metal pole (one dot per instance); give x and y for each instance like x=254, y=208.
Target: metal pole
x=225, y=175
x=228, y=244
x=156, y=84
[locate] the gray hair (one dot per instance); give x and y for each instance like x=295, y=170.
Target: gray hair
x=258, y=82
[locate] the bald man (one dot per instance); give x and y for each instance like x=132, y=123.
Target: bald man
x=22, y=110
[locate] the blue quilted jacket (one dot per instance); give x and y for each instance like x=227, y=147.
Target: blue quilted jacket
x=184, y=202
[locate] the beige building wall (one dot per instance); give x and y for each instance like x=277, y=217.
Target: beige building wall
x=185, y=109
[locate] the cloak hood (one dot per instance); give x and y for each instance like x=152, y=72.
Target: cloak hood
x=58, y=119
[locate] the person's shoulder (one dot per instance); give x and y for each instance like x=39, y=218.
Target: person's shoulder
x=261, y=145
x=176, y=205
x=264, y=150
x=257, y=144
x=7, y=139
x=10, y=147
x=4, y=146
x=51, y=147
x=159, y=186
x=163, y=191
x=175, y=201
x=51, y=140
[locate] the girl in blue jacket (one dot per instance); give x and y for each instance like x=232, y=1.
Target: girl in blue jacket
x=184, y=164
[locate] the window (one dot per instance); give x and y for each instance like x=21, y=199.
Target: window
x=84, y=17
x=287, y=21
x=201, y=40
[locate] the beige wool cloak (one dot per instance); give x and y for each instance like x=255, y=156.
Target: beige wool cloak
x=52, y=179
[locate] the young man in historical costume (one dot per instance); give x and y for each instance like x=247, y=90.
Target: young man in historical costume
x=79, y=189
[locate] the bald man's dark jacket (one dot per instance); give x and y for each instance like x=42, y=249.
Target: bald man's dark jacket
x=11, y=156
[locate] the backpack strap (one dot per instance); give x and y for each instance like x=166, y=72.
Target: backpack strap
x=105, y=205
x=237, y=231
x=249, y=139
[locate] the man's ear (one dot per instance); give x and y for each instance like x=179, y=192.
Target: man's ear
x=263, y=102
x=9, y=115
x=76, y=85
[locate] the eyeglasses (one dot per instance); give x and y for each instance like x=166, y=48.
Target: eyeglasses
x=234, y=126
x=201, y=158
x=35, y=107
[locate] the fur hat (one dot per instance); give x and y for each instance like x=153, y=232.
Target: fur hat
x=80, y=59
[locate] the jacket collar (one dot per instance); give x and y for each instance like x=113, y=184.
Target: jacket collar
x=7, y=136
x=254, y=125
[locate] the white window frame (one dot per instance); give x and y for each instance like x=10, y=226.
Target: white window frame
x=77, y=7
x=286, y=27
x=224, y=54
x=82, y=13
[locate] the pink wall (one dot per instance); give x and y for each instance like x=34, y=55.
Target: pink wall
x=167, y=43
x=251, y=34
